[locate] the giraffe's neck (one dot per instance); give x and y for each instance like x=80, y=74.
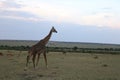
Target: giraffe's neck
x=46, y=39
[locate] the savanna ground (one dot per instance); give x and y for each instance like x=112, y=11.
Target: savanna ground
x=72, y=66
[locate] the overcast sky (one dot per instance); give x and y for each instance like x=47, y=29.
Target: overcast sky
x=96, y=21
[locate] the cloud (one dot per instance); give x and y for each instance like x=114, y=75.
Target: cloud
x=59, y=14
x=99, y=19
x=21, y=15
x=12, y=9
x=38, y=12
x=42, y=11
x=9, y=4
x=107, y=8
x=18, y=15
x=49, y=12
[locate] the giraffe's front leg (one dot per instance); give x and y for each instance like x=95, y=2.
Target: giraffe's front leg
x=38, y=59
x=33, y=59
x=45, y=58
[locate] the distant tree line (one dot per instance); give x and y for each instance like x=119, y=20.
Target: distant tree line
x=66, y=49
x=20, y=48
x=85, y=50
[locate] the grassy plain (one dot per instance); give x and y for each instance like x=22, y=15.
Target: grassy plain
x=72, y=66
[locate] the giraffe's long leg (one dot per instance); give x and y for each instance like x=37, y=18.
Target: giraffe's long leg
x=45, y=57
x=38, y=59
x=33, y=59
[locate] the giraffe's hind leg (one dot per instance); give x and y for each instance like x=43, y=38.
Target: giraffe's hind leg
x=27, y=61
x=28, y=58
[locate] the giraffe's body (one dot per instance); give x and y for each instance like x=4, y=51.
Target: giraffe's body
x=39, y=48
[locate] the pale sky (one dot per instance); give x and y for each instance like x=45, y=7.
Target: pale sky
x=75, y=20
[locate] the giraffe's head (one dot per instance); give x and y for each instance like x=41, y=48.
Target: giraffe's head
x=54, y=30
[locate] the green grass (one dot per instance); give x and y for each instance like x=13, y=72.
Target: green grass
x=72, y=66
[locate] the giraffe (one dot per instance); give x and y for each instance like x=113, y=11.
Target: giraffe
x=39, y=48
